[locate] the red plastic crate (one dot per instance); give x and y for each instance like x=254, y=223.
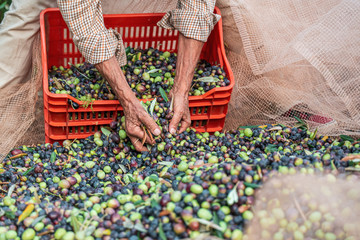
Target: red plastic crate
x=62, y=122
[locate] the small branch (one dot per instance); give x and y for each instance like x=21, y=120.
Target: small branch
x=299, y=209
x=351, y=157
x=78, y=70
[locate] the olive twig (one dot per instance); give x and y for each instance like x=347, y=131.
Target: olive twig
x=45, y=233
x=78, y=70
x=297, y=205
x=150, y=135
x=144, y=139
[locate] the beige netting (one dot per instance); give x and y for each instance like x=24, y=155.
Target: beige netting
x=289, y=57
x=306, y=207
x=296, y=58
x=21, y=118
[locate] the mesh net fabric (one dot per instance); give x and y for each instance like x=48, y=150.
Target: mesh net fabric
x=296, y=58
x=296, y=198
x=21, y=118
x=290, y=58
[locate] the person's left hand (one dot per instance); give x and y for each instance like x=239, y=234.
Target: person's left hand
x=181, y=110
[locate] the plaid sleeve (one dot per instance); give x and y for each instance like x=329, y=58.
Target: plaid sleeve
x=193, y=18
x=86, y=24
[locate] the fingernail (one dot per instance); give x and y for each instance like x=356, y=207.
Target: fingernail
x=157, y=132
x=172, y=131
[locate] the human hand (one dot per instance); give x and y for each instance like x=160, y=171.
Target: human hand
x=180, y=101
x=139, y=125
x=137, y=121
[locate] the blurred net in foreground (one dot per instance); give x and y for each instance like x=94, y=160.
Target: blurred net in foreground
x=307, y=207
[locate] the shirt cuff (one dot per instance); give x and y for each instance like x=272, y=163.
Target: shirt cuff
x=101, y=46
x=190, y=22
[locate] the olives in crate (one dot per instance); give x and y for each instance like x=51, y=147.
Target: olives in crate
x=146, y=71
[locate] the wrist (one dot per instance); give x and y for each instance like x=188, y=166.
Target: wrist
x=126, y=97
x=181, y=90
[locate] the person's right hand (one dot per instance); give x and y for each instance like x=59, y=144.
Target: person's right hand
x=135, y=119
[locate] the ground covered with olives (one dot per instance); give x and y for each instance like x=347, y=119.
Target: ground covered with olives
x=185, y=185
x=146, y=72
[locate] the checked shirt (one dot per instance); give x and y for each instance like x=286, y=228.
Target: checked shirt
x=193, y=18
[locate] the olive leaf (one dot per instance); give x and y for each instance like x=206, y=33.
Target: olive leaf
x=53, y=157
x=154, y=178
x=89, y=230
x=275, y=128
x=208, y=223
x=74, y=222
x=271, y=148
x=131, y=178
x=252, y=185
x=127, y=50
x=163, y=94
x=144, y=106
x=140, y=227
x=168, y=164
x=105, y=131
x=216, y=221
x=11, y=190
x=156, y=74
x=152, y=106
x=139, y=202
x=207, y=79
x=58, y=84
x=251, y=126
x=127, y=223
x=10, y=215
x=233, y=196
x=301, y=124
x=36, y=195
x=122, y=167
x=352, y=169
x=161, y=232
x=153, y=70
x=78, y=70
x=346, y=138
x=333, y=167
x=307, y=152
x=38, y=219
x=28, y=171
x=313, y=135
x=171, y=104
x=153, y=203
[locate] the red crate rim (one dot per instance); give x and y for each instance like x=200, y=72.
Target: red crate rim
x=101, y=102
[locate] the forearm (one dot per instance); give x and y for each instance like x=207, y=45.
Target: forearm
x=188, y=55
x=110, y=69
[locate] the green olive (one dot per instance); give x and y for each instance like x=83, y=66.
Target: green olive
x=28, y=234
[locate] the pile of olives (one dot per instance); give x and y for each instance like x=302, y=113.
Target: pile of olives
x=184, y=186
x=146, y=71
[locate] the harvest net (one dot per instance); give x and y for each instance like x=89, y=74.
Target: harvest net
x=296, y=58
x=308, y=206
x=290, y=58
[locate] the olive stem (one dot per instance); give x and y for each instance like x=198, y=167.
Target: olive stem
x=78, y=70
x=299, y=209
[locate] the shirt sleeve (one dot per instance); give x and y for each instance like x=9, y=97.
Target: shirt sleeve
x=193, y=18
x=86, y=23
